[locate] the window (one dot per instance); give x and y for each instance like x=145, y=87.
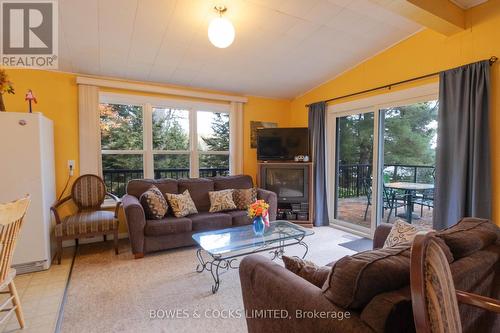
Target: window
x=145, y=137
x=121, y=144
x=213, y=143
x=170, y=143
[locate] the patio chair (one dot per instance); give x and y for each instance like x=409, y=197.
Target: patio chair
x=424, y=200
x=88, y=193
x=11, y=220
x=392, y=200
x=433, y=295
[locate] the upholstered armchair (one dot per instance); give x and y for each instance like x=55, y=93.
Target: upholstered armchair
x=88, y=193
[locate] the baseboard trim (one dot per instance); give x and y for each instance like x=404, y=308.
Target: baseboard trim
x=97, y=239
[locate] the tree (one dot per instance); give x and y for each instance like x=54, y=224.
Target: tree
x=168, y=134
x=409, y=136
x=217, y=141
x=121, y=129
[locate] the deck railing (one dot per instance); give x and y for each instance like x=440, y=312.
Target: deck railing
x=116, y=180
x=352, y=177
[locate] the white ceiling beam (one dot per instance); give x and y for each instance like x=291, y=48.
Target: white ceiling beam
x=442, y=16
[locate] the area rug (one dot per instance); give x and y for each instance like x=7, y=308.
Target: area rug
x=359, y=245
x=109, y=293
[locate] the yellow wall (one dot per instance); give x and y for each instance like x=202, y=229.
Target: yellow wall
x=424, y=53
x=421, y=54
x=57, y=95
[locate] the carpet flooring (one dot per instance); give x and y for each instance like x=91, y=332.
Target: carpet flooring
x=109, y=293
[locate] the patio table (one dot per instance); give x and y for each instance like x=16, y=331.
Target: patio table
x=409, y=188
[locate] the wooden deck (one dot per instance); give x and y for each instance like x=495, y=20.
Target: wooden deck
x=353, y=210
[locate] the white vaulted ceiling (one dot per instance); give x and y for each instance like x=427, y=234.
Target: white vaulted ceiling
x=282, y=47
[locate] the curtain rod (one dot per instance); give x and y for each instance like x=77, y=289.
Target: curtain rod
x=492, y=60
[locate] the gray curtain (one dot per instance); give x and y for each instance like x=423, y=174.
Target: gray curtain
x=463, y=164
x=317, y=125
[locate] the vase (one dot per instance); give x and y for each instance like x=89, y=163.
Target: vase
x=258, y=225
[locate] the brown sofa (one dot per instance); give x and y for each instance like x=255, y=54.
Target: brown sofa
x=171, y=232
x=473, y=246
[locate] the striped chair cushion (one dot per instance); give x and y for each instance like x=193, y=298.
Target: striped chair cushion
x=88, y=191
x=87, y=222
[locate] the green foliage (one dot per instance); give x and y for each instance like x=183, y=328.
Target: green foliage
x=168, y=133
x=409, y=134
x=121, y=129
x=6, y=86
x=356, y=139
x=217, y=141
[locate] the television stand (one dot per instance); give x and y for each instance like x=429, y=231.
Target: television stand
x=293, y=183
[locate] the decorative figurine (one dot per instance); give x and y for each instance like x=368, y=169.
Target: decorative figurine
x=30, y=98
x=5, y=88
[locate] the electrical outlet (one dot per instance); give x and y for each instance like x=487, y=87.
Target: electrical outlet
x=71, y=167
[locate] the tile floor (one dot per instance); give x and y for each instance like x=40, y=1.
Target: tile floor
x=41, y=295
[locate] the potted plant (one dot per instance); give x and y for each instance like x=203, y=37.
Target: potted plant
x=5, y=88
x=258, y=211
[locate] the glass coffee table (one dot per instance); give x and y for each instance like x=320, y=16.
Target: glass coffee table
x=219, y=249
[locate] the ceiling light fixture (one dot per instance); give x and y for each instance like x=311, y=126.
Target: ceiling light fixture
x=221, y=31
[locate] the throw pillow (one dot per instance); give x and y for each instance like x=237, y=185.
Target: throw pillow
x=307, y=270
x=401, y=232
x=154, y=203
x=221, y=201
x=181, y=204
x=355, y=280
x=244, y=197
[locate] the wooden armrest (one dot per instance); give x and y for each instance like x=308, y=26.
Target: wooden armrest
x=479, y=301
x=118, y=202
x=112, y=196
x=60, y=202
x=54, y=207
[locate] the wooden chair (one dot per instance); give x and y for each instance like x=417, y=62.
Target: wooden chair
x=88, y=193
x=434, y=298
x=11, y=219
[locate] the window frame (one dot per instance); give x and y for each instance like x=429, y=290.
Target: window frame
x=148, y=103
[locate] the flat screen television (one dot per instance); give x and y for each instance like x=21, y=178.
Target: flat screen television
x=289, y=182
x=282, y=143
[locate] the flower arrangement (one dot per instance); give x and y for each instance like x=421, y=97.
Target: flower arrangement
x=259, y=209
x=5, y=87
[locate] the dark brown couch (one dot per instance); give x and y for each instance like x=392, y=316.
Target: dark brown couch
x=171, y=232
x=475, y=256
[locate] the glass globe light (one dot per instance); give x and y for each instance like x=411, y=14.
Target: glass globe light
x=221, y=32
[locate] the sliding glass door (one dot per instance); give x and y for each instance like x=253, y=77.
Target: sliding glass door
x=354, y=190
x=381, y=160
x=409, y=151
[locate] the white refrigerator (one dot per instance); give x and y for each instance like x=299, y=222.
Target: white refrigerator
x=27, y=167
